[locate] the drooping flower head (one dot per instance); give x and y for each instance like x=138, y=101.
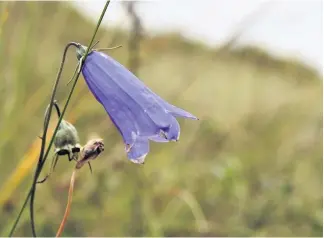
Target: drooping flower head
x=138, y=113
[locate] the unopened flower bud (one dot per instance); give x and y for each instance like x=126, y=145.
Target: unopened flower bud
x=66, y=141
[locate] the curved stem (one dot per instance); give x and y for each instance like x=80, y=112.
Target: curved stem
x=42, y=157
x=46, y=124
x=47, y=112
x=68, y=205
x=75, y=79
x=57, y=109
x=41, y=162
x=75, y=72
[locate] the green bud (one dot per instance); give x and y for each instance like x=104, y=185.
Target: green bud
x=66, y=141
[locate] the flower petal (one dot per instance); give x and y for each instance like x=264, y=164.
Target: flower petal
x=130, y=85
x=123, y=111
x=138, y=150
x=138, y=113
x=158, y=138
x=178, y=112
x=173, y=132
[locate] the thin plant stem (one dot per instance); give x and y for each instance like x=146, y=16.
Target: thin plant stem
x=43, y=138
x=46, y=124
x=42, y=159
x=75, y=72
x=60, y=119
x=68, y=205
x=63, y=112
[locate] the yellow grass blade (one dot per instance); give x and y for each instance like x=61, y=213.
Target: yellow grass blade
x=21, y=171
x=3, y=17
x=23, y=168
x=26, y=164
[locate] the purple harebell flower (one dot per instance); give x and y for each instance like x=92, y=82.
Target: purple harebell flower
x=138, y=113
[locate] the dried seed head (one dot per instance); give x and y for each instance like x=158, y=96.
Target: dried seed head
x=90, y=151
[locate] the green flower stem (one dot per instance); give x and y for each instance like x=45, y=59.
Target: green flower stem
x=42, y=158
x=46, y=124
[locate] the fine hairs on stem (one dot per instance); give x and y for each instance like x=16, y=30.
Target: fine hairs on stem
x=42, y=157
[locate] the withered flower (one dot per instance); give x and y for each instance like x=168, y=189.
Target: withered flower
x=90, y=151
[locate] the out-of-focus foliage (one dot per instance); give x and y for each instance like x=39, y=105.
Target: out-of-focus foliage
x=252, y=165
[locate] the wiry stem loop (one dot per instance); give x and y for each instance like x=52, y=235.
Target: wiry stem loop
x=42, y=156
x=42, y=159
x=43, y=138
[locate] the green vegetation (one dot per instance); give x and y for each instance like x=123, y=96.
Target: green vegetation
x=252, y=165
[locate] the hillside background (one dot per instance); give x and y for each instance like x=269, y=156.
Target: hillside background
x=252, y=165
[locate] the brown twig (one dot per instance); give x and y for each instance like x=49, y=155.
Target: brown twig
x=68, y=205
x=90, y=151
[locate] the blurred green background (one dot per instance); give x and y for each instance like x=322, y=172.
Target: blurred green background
x=252, y=165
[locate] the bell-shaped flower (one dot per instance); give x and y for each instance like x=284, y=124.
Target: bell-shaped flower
x=138, y=113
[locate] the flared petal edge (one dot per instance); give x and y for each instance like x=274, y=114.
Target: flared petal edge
x=138, y=151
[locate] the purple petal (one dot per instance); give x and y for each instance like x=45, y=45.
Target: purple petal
x=129, y=85
x=158, y=138
x=146, y=92
x=138, y=150
x=178, y=112
x=138, y=113
x=173, y=132
x=125, y=112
